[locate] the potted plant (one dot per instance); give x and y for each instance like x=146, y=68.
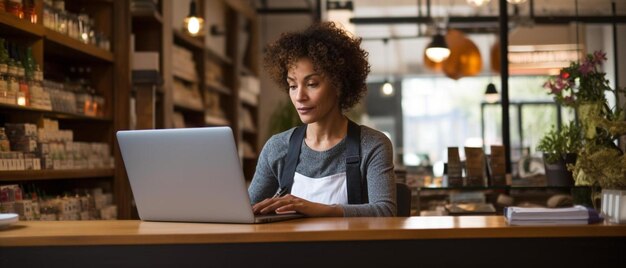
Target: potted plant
x=583, y=86
x=559, y=149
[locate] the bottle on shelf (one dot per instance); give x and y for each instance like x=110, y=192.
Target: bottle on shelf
x=4, y=60
x=29, y=11
x=23, y=96
x=15, y=7
x=13, y=85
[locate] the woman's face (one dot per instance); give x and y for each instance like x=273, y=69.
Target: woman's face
x=311, y=93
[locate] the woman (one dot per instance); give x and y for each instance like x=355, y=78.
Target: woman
x=323, y=70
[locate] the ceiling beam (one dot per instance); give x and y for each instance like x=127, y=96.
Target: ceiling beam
x=483, y=19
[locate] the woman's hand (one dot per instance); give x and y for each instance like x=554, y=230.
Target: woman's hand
x=287, y=203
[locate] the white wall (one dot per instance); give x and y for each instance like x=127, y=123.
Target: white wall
x=270, y=29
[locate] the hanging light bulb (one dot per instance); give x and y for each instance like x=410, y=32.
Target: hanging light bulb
x=387, y=88
x=516, y=2
x=478, y=3
x=491, y=95
x=438, y=50
x=193, y=23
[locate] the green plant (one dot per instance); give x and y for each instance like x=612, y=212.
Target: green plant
x=556, y=144
x=283, y=118
x=584, y=86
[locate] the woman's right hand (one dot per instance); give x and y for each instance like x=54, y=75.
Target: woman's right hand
x=287, y=203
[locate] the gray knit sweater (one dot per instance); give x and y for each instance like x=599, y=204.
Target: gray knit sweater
x=376, y=166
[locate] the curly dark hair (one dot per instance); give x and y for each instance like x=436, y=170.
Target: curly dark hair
x=333, y=52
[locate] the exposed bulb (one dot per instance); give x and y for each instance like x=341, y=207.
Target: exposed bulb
x=437, y=54
x=193, y=25
x=492, y=98
x=478, y=3
x=387, y=89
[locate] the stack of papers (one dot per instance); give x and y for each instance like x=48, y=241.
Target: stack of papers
x=551, y=216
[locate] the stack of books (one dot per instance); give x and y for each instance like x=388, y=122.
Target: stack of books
x=551, y=216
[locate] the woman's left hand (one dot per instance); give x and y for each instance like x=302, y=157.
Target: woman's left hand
x=287, y=203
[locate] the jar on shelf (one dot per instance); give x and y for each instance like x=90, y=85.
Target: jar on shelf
x=62, y=22
x=92, y=31
x=29, y=11
x=15, y=7
x=72, y=26
x=84, y=26
x=48, y=16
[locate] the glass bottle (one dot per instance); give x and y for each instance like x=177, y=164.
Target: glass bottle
x=48, y=15
x=23, y=96
x=29, y=11
x=3, y=72
x=13, y=85
x=84, y=27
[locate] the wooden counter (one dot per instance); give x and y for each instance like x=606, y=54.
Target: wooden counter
x=469, y=238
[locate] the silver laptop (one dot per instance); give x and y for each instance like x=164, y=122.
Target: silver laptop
x=188, y=175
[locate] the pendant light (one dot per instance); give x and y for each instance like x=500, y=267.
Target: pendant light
x=438, y=50
x=478, y=3
x=491, y=95
x=387, y=88
x=193, y=23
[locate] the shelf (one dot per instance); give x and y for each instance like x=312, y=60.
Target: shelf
x=215, y=121
x=503, y=187
x=188, y=41
x=31, y=175
x=11, y=25
x=217, y=87
x=186, y=108
x=218, y=56
x=53, y=114
x=183, y=78
x=249, y=103
x=153, y=16
x=246, y=71
x=67, y=47
x=249, y=130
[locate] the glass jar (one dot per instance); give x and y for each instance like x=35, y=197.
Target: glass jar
x=29, y=11
x=84, y=27
x=48, y=17
x=92, y=31
x=62, y=22
x=15, y=7
x=72, y=26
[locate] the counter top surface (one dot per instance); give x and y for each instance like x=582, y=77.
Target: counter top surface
x=132, y=232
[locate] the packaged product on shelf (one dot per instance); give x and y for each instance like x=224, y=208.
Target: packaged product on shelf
x=10, y=193
x=109, y=212
x=5, y=144
x=7, y=207
x=19, y=130
x=24, y=208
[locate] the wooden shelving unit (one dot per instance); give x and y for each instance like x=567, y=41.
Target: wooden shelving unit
x=66, y=47
x=55, y=53
x=217, y=72
x=11, y=25
x=37, y=175
x=53, y=114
